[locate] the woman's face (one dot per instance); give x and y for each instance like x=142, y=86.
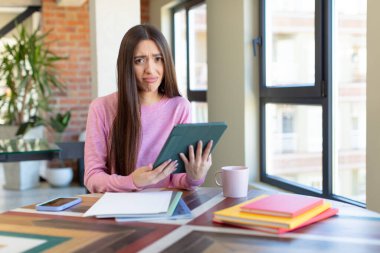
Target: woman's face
x=148, y=66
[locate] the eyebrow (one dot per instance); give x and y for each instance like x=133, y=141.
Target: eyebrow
x=144, y=56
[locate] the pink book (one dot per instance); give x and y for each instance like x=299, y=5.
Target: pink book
x=283, y=205
x=322, y=216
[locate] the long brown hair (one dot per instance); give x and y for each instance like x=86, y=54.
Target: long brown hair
x=126, y=128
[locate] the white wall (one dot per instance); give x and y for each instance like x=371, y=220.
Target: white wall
x=109, y=21
x=233, y=81
x=373, y=105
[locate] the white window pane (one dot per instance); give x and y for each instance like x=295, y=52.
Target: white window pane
x=290, y=42
x=180, y=50
x=199, y=112
x=198, y=47
x=349, y=98
x=294, y=143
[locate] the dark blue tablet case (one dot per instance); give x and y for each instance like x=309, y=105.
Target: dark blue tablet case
x=184, y=135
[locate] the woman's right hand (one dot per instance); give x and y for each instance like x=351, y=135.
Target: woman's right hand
x=146, y=175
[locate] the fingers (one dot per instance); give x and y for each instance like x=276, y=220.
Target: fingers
x=199, y=150
x=184, y=158
x=162, y=166
x=200, y=155
x=191, y=153
x=170, y=168
x=147, y=168
x=165, y=169
x=207, y=151
x=144, y=176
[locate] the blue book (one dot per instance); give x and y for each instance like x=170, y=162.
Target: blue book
x=182, y=211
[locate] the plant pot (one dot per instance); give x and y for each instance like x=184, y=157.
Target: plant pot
x=59, y=177
x=21, y=176
x=7, y=132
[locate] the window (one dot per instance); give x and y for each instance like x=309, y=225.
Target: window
x=12, y=16
x=190, y=54
x=313, y=97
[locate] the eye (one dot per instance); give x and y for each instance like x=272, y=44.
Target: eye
x=139, y=60
x=158, y=58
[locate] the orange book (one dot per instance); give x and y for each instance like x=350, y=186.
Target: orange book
x=284, y=205
x=233, y=214
x=322, y=216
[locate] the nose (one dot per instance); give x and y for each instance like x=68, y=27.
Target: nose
x=149, y=66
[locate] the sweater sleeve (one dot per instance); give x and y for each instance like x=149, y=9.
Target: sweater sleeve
x=97, y=176
x=182, y=181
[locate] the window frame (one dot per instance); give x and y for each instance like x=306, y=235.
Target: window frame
x=192, y=95
x=320, y=94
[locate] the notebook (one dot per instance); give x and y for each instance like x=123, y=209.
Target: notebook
x=322, y=216
x=181, y=211
x=284, y=205
x=134, y=204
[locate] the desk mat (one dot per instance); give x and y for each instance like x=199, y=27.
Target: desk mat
x=68, y=234
x=201, y=241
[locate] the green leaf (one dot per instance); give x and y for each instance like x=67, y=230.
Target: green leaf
x=33, y=122
x=60, y=122
x=28, y=73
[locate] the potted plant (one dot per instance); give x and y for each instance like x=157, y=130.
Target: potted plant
x=59, y=123
x=62, y=176
x=27, y=79
x=28, y=73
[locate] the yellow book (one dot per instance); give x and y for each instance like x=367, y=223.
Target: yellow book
x=233, y=214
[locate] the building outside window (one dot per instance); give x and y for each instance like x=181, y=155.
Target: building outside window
x=190, y=54
x=313, y=96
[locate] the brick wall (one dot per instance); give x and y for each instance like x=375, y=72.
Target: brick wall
x=144, y=7
x=70, y=27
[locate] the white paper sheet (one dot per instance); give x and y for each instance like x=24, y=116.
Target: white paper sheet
x=123, y=204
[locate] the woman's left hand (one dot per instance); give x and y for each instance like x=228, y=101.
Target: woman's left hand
x=199, y=162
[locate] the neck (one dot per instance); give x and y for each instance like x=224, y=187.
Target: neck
x=148, y=98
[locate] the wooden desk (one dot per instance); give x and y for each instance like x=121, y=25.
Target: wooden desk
x=353, y=230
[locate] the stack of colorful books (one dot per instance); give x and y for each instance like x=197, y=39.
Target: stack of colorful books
x=277, y=213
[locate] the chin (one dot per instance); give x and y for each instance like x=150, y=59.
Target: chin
x=152, y=88
x=148, y=88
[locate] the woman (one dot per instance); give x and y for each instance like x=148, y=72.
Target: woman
x=127, y=129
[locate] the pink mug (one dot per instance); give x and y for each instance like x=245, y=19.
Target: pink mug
x=234, y=181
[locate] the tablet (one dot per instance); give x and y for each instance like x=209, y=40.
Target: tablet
x=184, y=135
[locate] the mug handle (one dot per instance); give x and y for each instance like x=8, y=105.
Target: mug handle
x=216, y=179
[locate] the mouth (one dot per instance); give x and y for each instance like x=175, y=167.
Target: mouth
x=150, y=79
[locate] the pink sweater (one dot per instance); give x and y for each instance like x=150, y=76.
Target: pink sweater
x=157, y=122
